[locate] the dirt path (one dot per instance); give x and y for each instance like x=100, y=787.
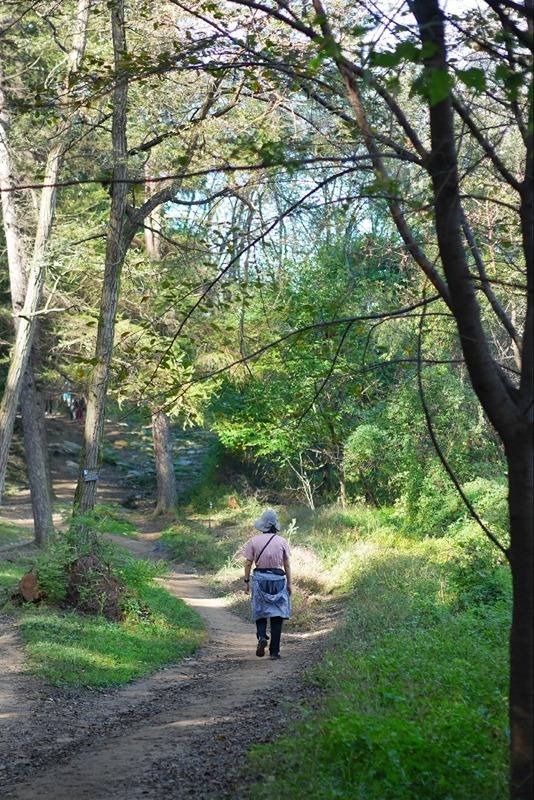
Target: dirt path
x=180, y=733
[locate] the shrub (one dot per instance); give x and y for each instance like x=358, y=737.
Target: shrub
x=442, y=511
x=479, y=573
x=52, y=567
x=198, y=547
x=368, y=462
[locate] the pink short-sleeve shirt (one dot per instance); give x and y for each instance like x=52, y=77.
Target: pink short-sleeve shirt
x=273, y=555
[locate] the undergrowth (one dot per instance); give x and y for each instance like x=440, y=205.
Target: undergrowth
x=414, y=682
x=414, y=686
x=67, y=646
x=67, y=649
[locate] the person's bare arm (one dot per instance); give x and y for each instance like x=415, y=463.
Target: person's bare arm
x=248, y=567
x=287, y=570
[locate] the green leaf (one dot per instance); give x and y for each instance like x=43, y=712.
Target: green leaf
x=439, y=85
x=474, y=78
x=405, y=51
x=385, y=59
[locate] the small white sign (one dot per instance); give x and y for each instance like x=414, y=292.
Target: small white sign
x=90, y=476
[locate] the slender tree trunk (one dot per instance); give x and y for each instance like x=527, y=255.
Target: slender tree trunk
x=26, y=298
x=152, y=230
x=508, y=407
x=37, y=463
x=163, y=455
x=32, y=411
x=25, y=328
x=521, y=504
x=117, y=243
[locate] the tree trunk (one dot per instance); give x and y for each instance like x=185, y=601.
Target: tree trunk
x=37, y=462
x=521, y=503
x=32, y=411
x=116, y=246
x=17, y=369
x=508, y=407
x=20, y=370
x=163, y=456
x=25, y=329
x=152, y=235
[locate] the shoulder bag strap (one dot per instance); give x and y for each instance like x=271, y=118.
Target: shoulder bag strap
x=263, y=548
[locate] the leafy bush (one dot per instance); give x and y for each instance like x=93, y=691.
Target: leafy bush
x=479, y=573
x=368, y=462
x=136, y=573
x=102, y=519
x=441, y=510
x=75, y=568
x=52, y=567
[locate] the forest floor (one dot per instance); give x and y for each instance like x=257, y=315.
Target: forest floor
x=182, y=732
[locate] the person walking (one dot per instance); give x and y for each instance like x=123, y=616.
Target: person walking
x=271, y=581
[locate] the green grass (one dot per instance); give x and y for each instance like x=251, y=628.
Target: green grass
x=196, y=544
x=108, y=518
x=10, y=533
x=414, y=690
x=67, y=649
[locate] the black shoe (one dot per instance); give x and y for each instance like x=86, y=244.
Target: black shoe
x=275, y=656
x=260, y=649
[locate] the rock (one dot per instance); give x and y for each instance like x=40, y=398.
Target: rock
x=64, y=448
x=29, y=587
x=130, y=502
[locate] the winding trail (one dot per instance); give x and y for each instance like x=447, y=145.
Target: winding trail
x=182, y=732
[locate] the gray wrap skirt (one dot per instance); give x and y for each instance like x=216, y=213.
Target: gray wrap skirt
x=270, y=597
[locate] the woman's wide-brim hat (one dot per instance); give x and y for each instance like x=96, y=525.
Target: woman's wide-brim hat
x=267, y=520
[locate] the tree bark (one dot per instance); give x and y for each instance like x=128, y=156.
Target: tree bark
x=163, y=456
x=25, y=329
x=32, y=411
x=118, y=238
x=152, y=231
x=520, y=457
x=26, y=298
x=508, y=407
x=37, y=463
